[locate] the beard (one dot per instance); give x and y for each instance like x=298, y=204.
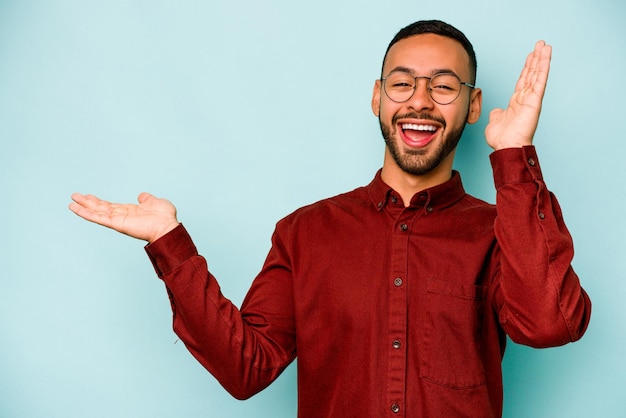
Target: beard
x=420, y=162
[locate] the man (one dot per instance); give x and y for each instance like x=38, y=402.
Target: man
x=396, y=297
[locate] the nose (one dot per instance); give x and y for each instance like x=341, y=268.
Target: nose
x=421, y=98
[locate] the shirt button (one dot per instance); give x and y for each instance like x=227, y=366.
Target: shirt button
x=396, y=344
x=398, y=281
x=380, y=205
x=395, y=408
x=531, y=162
x=404, y=227
x=541, y=215
x=394, y=199
x=429, y=209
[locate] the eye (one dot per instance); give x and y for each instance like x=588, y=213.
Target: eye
x=441, y=87
x=445, y=83
x=400, y=81
x=441, y=84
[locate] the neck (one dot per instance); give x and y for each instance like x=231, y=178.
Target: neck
x=407, y=185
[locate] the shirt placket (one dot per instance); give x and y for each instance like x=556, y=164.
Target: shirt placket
x=398, y=305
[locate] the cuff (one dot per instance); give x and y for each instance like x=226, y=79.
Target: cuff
x=515, y=165
x=171, y=250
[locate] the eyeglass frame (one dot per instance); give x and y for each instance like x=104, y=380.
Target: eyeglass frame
x=463, y=83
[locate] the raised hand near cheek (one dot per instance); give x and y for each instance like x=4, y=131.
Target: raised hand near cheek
x=515, y=126
x=149, y=220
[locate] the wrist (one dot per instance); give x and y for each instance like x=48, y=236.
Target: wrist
x=501, y=146
x=163, y=230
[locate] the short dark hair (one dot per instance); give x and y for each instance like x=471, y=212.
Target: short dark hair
x=437, y=27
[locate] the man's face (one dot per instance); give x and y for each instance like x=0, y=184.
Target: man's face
x=421, y=135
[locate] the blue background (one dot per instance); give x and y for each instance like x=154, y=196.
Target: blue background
x=240, y=112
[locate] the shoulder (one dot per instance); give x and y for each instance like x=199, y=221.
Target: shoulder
x=327, y=210
x=473, y=203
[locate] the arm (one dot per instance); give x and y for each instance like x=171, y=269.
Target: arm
x=245, y=350
x=538, y=296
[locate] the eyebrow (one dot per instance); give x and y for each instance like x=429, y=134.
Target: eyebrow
x=408, y=70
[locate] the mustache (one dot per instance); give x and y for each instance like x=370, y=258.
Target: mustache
x=415, y=115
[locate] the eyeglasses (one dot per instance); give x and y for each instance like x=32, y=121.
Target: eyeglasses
x=444, y=88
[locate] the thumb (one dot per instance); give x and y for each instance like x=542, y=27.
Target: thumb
x=144, y=197
x=495, y=114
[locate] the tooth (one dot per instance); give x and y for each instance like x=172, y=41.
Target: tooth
x=416, y=127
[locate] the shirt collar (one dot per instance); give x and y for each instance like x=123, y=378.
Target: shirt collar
x=435, y=198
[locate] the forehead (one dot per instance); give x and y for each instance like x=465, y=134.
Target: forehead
x=426, y=54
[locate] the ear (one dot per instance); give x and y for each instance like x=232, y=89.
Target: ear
x=376, y=98
x=476, y=105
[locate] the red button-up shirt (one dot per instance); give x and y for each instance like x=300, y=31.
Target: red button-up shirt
x=392, y=311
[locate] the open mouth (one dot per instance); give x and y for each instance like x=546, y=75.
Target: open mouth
x=418, y=134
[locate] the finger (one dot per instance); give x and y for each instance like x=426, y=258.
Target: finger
x=88, y=200
x=531, y=65
x=540, y=68
x=84, y=212
x=534, y=75
x=102, y=216
x=76, y=208
x=528, y=72
x=523, y=78
x=89, y=206
x=78, y=198
x=531, y=76
x=543, y=65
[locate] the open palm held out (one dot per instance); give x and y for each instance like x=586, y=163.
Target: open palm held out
x=149, y=220
x=516, y=125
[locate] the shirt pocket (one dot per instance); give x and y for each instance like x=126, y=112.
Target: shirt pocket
x=451, y=354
